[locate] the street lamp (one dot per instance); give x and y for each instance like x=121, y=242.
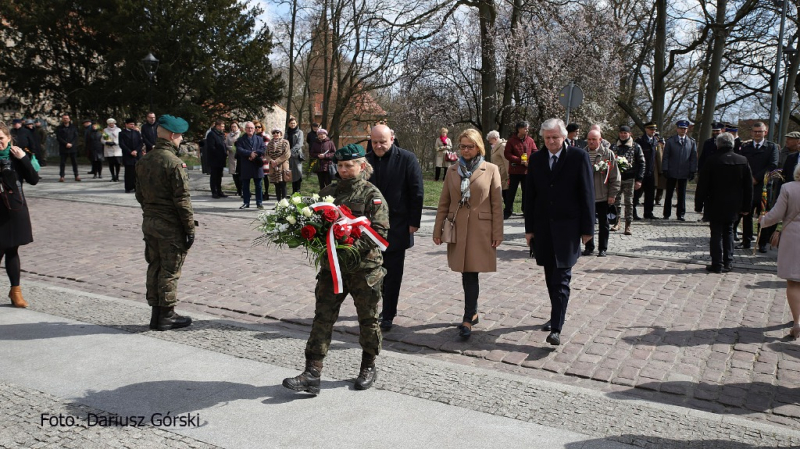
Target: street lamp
x=150, y=64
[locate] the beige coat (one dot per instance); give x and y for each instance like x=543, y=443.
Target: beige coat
x=787, y=206
x=606, y=185
x=499, y=159
x=278, y=154
x=477, y=225
x=440, y=149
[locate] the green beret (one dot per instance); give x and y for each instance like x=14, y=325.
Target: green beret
x=349, y=152
x=173, y=124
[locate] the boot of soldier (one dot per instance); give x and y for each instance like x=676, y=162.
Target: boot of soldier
x=15, y=294
x=308, y=380
x=154, y=313
x=168, y=319
x=368, y=373
x=628, y=228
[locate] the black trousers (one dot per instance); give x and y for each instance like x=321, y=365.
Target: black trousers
x=440, y=170
x=12, y=264
x=296, y=185
x=671, y=184
x=113, y=167
x=513, y=183
x=557, y=280
x=601, y=212
x=721, y=243
x=648, y=190
x=280, y=190
x=469, y=281
x=266, y=187
x=324, y=179
x=97, y=168
x=237, y=181
x=73, y=158
x=130, y=177
x=755, y=211
x=216, y=180
x=394, y=263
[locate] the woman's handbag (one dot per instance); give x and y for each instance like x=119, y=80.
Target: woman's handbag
x=287, y=176
x=332, y=171
x=450, y=156
x=449, y=228
x=775, y=240
x=266, y=168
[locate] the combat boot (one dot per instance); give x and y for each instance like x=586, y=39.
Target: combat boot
x=15, y=294
x=168, y=319
x=308, y=380
x=154, y=317
x=628, y=228
x=368, y=373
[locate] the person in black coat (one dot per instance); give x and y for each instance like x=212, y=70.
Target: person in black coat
x=15, y=221
x=649, y=142
x=559, y=215
x=762, y=155
x=131, y=143
x=149, y=130
x=250, y=149
x=724, y=191
x=217, y=157
x=710, y=145
x=67, y=136
x=396, y=173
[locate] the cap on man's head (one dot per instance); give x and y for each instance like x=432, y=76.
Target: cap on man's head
x=793, y=135
x=731, y=128
x=682, y=124
x=172, y=124
x=87, y=120
x=29, y=121
x=624, y=128
x=16, y=120
x=110, y=121
x=349, y=152
x=717, y=126
x=129, y=120
x=650, y=125
x=572, y=127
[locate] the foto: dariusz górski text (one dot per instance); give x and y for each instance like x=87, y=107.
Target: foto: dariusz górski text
x=95, y=420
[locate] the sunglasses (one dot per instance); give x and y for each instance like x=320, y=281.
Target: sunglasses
x=276, y=132
x=258, y=126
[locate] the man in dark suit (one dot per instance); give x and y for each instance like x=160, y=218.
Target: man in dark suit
x=710, y=145
x=679, y=166
x=396, y=173
x=217, y=157
x=724, y=191
x=149, y=131
x=559, y=215
x=762, y=155
x=131, y=143
x=793, y=150
x=649, y=141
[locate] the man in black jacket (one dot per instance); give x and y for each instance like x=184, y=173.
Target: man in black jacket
x=396, y=173
x=762, y=155
x=67, y=136
x=648, y=142
x=724, y=191
x=632, y=176
x=130, y=141
x=149, y=131
x=793, y=149
x=217, y=157
x=710, y=145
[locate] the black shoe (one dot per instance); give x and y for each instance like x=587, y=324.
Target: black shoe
x=636, y=217
x=650, y=217
x=89, y=172
x=727, y=268
x=244, y=206
x=215, y=196
x=129, y=191
x=602, y=253
x=547, y=327
x=554, y=338
x=308, y=380
x=587, y=252
x=386, y=325
x=713, y=269
x=762, y=248
x=260, y=207
x=154, y=317
x=736, y=237
x=464, y=332
x=681, y=219
x=222, y=195
x=367, y=374
x=168, y=319
x=743, y=245
x=506, y=215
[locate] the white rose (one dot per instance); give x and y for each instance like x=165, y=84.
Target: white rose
x=328, y=199
x=315, y=197
x=291, y=220
x=306, y=212
x=283, y=203
x=297, y=199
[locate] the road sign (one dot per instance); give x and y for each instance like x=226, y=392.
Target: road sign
x=570, y=97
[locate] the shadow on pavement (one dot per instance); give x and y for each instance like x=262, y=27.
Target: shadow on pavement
x=43, y=330
x=660, y=336
x=653, y=442
x=773, y=285
x=689, y=269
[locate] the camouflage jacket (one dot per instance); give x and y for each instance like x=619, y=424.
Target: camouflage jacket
x=364, y=199
x=162, y=188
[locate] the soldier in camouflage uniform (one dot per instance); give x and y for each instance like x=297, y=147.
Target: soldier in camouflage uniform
x=361, y=277
x=162, y=188
x=631, y=178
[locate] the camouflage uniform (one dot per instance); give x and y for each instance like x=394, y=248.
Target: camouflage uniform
x=162, y=188
x=364, y=283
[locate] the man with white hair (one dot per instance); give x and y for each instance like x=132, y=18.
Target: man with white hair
x=559, y=215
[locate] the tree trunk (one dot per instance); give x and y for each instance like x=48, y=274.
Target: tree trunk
x=659, y=84
x=720, y=36
x=511, y=73
x=788, y=94
x=488, y=114
x=290, y=90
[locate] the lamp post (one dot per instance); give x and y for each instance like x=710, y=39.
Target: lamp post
x=783, y=123
x=784, y=4
x=150, y=64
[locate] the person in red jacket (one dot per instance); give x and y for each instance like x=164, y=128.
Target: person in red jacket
x=519, y=149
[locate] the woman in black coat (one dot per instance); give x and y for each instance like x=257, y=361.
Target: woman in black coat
x=15, y=222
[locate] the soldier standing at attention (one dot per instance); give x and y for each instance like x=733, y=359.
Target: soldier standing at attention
x=362, y=277
x=162, y=188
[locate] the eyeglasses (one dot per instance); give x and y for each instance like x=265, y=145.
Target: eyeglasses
x=258, y=126
x=466, y=147
x=275, y=132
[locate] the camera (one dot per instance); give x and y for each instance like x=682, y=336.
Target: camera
x=5, y=165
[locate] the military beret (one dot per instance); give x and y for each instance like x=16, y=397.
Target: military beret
x=624, y=128
x=651, y=125
x=349, y=152
x=682, y=124
x=16, y=120
x=793, y=135
x=572, y=127
x=717, y=125
x=172, y=124
x=129, y=120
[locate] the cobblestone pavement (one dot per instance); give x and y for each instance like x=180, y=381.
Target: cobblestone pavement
x=617, y=417
x=658, y=329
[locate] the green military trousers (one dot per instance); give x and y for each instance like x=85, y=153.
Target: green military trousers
x=164, y=255
x=365, y=287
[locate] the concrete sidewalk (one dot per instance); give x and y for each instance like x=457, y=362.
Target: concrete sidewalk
x=126, y=379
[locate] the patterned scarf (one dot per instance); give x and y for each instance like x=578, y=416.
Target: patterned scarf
x=465, y=169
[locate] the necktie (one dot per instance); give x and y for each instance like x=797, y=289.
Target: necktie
x=681, y=141
x=757, y=147
x=553, y=161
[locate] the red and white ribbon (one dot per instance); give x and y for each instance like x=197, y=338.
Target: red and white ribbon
x=345, y=219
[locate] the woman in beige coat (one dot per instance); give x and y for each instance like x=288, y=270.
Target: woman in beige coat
x=443, y=145
x=472, y=194
x=787, y=210
x=278, y=153
x=499, y=159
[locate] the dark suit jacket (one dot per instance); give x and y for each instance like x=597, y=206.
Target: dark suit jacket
x=130, y=140
x=725, y=187
x=762, y=161
x=788, y=167
x=399, y=178
x=559, y=205
x=216, y=149
x=244, y=146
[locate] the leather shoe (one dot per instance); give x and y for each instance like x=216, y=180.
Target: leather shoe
x=601, y=253
x=762, y=248
x=244, y=206
x=681, y=219
x=222, y=195
x=727, y=268
x=168, y=319
x=215, y=196
x=547, y=326
x=506, y=215
x=386, y=325
x=743, y=245
x=554, y=338
x=587, y=252
x=713, y=269
x=465, y=332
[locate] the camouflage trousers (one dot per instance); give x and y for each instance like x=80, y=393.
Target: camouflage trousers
x=164, y=258
x=365, y=287
x=626, y=190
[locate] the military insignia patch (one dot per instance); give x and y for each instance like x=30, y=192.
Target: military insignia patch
x=183, y=165
x=377, y=201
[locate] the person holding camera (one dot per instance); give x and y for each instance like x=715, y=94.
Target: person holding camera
x=15, y=221
x=652, y=145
